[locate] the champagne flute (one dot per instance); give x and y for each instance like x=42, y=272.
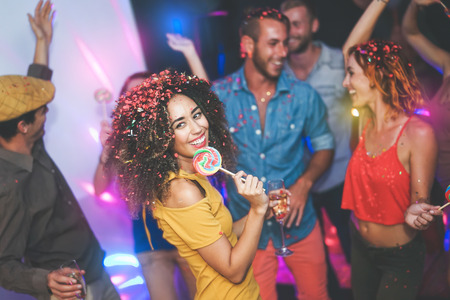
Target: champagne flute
x=75, y=273
x=277, y=192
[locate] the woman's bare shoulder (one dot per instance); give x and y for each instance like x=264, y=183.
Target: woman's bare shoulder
x=182, y=193
x=419, y=129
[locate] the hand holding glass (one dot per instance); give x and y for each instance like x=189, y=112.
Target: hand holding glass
x=72, y=270
x=277, y=192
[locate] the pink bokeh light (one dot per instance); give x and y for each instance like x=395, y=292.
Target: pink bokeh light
x=88, y=187
x=134, y=44
x=118, y=279
x=94, y=64
x=107, y=197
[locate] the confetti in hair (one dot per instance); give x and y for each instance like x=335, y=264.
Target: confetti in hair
x=378, y=52
x=250, y=23
x=388, y=69
x=142, y=138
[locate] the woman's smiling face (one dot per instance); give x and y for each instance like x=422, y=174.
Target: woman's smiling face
x=358, y=85
x=189, y=125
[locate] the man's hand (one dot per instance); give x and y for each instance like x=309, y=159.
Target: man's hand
x=299, y=196
x=62, y=286
x=180, y=43
x=420, y=215
x=41, y=23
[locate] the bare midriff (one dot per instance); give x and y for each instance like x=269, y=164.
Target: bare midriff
x=380, y=235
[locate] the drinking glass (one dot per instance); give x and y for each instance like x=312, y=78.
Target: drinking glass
x=75, y=273
x=277, y=192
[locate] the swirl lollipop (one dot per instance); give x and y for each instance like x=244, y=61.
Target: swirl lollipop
x=447, y=197
x=207, y=161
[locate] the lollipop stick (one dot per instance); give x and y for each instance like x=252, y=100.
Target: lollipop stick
x=230, y=173
x=446, y=11
x=104, y=111
x=443, y=206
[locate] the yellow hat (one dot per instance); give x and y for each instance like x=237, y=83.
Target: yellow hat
x=22, y=94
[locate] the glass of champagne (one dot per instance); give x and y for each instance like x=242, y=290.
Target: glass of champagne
x=277, y=192
x=74, y=273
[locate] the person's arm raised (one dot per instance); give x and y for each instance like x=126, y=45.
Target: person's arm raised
x=184, y=45
x=364, y=27
x=438, y=58
x=41, y=24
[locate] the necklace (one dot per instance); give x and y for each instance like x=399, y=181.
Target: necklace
x=266, y=97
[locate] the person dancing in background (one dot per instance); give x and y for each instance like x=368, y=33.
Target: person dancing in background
x=157, y=128
x=41, y=223
x=157, y=257
x=391, y=172
x=439, y=105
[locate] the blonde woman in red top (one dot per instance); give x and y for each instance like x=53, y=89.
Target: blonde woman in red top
x=390, y=175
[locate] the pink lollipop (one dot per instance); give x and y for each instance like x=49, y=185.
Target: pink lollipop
x=207, y=161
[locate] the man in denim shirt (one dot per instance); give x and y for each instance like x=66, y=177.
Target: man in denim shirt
x=269, y=114
x=323, y=68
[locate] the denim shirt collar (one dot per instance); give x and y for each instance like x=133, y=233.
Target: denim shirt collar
x=240, y=83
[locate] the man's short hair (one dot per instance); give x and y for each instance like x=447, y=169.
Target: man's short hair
x=8, y=129
x=250, y=24
x=309, y=4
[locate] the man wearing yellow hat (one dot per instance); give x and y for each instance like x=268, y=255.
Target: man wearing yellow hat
x=42, y=226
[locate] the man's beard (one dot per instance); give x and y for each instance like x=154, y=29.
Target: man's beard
x=302, y=46
x=261, y=66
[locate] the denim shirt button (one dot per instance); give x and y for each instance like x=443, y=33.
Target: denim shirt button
x=232, y=129
x=263, y=179
x=292, y=126
x=262, y=156
x=254, y=107
x=258, y=132
x=269, y=223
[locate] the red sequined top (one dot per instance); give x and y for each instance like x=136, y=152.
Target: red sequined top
x=377, y=188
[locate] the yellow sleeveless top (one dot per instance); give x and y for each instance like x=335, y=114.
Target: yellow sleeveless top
x=198, y=226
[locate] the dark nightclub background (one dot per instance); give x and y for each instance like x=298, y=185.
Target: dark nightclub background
x=213, y=25
x=95, y=47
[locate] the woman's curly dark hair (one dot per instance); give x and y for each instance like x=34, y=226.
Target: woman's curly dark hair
x=384, y=63
x=142, y=138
